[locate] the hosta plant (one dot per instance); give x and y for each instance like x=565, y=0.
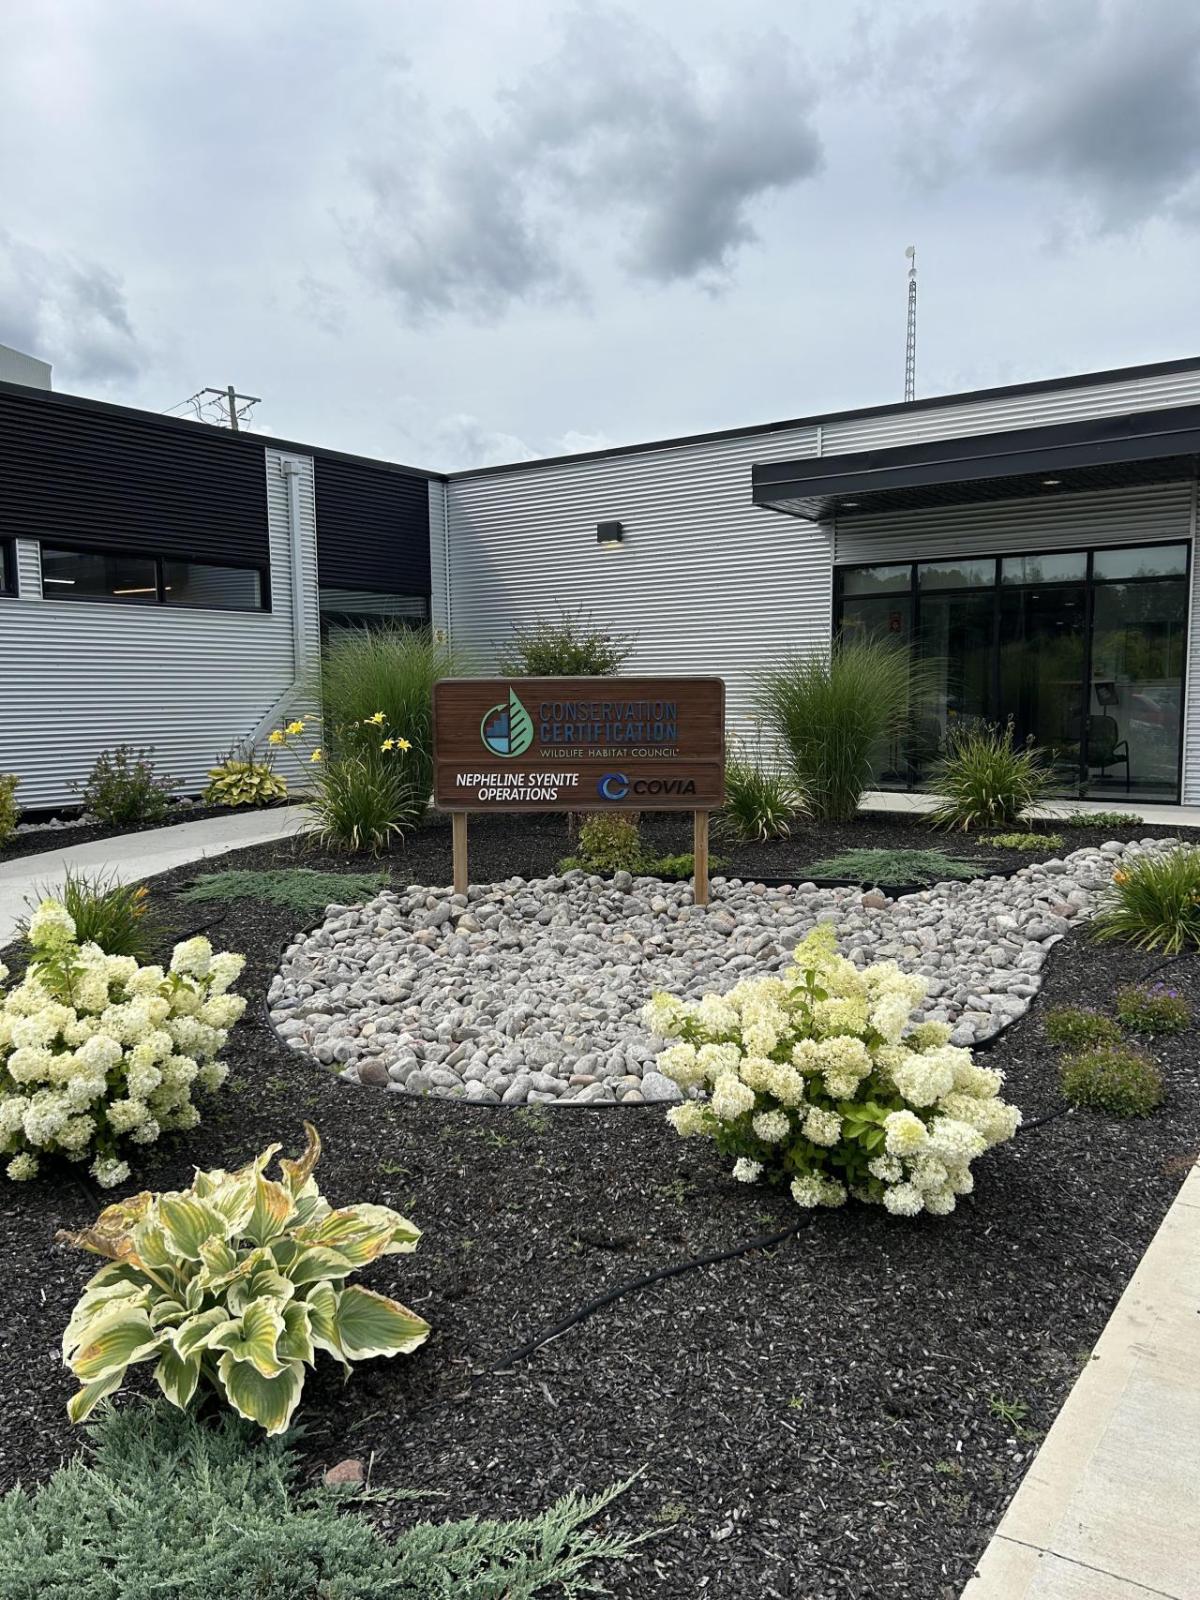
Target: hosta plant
x=99, y=1054
x=234, y=1285
x=812, y=1081
x=239, y=779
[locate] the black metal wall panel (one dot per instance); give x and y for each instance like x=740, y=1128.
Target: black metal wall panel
x=372, y=527
x=105, y=479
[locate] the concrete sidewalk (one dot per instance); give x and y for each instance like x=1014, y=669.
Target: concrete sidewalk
x=140, y=855
x=1110, y=1507
x=1161, y=816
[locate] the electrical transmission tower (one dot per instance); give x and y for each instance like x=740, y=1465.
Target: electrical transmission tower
x=910, y=343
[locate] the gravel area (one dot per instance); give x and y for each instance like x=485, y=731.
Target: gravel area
x=529, y=992
x=817, y=1420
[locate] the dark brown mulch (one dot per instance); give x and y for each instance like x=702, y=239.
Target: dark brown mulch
x=819, y=1419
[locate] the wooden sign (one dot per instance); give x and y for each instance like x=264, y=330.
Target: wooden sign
x=579, y=744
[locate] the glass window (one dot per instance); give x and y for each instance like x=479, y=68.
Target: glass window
x=1143, y=561
x=195, y=583
x=876, y=580
x=8, y=568
x=93, y=575
x=957, y=574
x=1070, y=567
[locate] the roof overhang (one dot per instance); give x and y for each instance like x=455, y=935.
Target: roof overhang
x=1139, y=447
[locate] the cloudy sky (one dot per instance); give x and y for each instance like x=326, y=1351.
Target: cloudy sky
x=476, y=230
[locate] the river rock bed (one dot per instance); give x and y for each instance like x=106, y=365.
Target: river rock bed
x=529, y=991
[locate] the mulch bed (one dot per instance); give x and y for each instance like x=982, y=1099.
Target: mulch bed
x=813, y=1420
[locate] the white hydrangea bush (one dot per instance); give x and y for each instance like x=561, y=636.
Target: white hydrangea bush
x=812, y=1080
x=99, y=1053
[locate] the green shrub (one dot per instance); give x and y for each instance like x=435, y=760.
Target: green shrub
x=837, y=712
x=759, y=802
x=387, y=673
x=1124, y=1082
x=8, y=806
x=123, y=787
x=1024, y=841
x=105, y=911
x=609, y=841
x=984, y=780
x=569, y=645
x=163, y=1505
x=1153, y=902
x=241, y=778
x=896, y=866
x=235, y=1284
x=1103, y=819
x=1153, y=1008
x=299, y=888
x=678, y=867
x=358, y=803
x=1079, y=1029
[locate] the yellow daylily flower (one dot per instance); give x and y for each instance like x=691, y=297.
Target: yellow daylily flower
x=377, y=720
x=296, y=727
x=276, y=736
x=388, y=744
x=317, y=755
x=403, y=744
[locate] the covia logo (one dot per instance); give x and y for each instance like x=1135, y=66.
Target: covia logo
x=507, y=728
x=613, y=786
x=616, y=786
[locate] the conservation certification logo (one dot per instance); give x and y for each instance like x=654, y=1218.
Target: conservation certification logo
x=507, y=728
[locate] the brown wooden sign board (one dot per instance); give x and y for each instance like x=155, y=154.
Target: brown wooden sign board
x=579, y=744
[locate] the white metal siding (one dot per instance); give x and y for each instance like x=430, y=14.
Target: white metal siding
x=79, y=677
x=29, y=569
x=704, y=581
x=1016, y=411
x=438, y=580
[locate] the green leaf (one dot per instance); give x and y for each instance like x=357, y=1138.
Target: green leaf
x=321, y=1301
x=114, y=1343
x=268, y=1401
x=197, y=1333
x=177, y=1378
x=316, y=1262
x=188, y=1224
x=271, y=1213
x=81, y=1404
x=254, y=1337
x=369, y=1324
x=296, y=1342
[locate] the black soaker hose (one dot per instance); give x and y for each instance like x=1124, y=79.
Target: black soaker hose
x=763, y=1241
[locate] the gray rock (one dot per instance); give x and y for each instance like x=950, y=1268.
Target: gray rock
x=657, y=1086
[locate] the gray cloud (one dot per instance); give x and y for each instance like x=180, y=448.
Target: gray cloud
x=613, y=148
x=67, y=310
x=1097, y=101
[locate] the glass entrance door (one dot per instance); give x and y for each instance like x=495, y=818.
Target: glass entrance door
x=1043, y=651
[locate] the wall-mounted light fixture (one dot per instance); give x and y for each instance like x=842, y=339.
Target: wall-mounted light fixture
x=610, y=535
x=1051, y=483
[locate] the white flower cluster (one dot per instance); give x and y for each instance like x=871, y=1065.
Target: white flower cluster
x=811, y=1079
x=97, y=1051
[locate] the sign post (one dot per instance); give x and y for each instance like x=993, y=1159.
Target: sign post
x=579, y=744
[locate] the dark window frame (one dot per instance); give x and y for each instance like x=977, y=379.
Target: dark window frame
x=160, y=600
x=1089, y=583
x=8, y=568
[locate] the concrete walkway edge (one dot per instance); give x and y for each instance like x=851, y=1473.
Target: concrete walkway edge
x=1110, y=1507
x=132, y=856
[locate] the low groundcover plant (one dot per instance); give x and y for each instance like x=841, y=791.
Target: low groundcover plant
x=98, y=1052
x=236, y=1282
x=813, y=1082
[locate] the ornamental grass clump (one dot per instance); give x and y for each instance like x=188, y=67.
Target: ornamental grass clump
x=1153, y=902
x=105, y=911
x=235, y=1284
x=986, y=780
x=99, y=1054
x=8, y=806
x=813, y=1082
x=760, y=801
x=1153, y=1008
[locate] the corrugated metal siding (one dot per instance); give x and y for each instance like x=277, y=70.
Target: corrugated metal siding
x=1108, y=516
x=1191, y=702
x=29, y=569
x=80, y=678
x=373, y=527
x=438, y=580
x=704, y=581
x=89, y=478
x=1016, y=411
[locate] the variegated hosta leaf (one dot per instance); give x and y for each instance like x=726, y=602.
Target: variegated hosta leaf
x=82, y=1404
x=177, y=1378
x=297, y=1173
x=217, y=1257
x=188, y=1224
x=113, y=1342
x=254, y=1337
x=94, y=1304
x=314, y=1262
x=111, y=1233
x=321, y=1301
x=311, y=1204
x=268, y=1401
x=369, y=1324
x=404, y=1234
x=263, y=1284
x=197, y=1332
x=272, y=1211
x=233, y=1197
x=260, y=1163
x=351, y=1236
x=167, y=1313
x=296, y=1342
